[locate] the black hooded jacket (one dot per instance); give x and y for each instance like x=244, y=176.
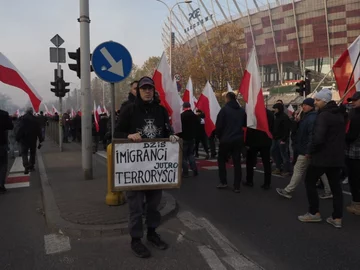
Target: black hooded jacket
x=327, y=147
x=230, y=123
x=130, y=100
x=150, y=119
x=282, y=124
x=257, y=138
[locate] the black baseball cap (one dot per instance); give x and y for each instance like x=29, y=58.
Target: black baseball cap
x=355, y=97
x=146, y=81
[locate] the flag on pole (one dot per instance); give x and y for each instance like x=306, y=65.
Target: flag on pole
x=229, y=89
x=290, y=110
x=54, y=110
x=189, y=94
x=250, y=89
x=10, y=75
x=96, y=118
x=210, y=106
x=164, y=84
x=46, y=110
x=343, y=68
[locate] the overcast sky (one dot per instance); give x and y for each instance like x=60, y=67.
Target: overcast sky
x=28, y=25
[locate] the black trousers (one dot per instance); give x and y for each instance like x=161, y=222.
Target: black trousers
x=232, y=149
x=204, y=141
x=136, y=208
x=212, y=140
x=25, y=148
x=333, y=174
x=251, y=159
x=353, y=167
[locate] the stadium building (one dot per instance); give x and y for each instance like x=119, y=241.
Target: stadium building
x=289, y=35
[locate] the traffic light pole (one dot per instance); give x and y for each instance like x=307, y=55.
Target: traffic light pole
x=86, y=130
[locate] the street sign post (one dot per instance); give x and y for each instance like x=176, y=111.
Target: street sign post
x=112, y=63
x=57, y=55
x=58, y=41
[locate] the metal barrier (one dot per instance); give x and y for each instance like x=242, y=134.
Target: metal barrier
x=52, y=130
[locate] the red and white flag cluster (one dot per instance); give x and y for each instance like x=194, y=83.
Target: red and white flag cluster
x=96, y=118
x=10, y=75
x=189, y=95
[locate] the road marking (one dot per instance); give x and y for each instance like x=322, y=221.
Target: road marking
x=17, y=185
x=346, y=192
x=17, y=166
x=55, y=243
x=210, y=257
x=102, y=154
x=189, y=220
x=17, y=180
x=180, y=237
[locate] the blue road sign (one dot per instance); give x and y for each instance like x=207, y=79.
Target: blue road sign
x=111, y=61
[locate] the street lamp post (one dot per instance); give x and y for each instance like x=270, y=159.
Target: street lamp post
x=170, y=25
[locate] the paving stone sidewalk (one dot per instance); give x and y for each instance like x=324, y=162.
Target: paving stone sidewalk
x=80, y=201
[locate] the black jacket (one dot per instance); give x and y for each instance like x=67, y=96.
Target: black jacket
x=304, y=133
x=5, y=125
x=258, y=138
x=200, y=126
x=151, y=120
x=327, y=147
x=130, y=100
x=282, y=126
x=29, y=130
x=189, y=121
x=230, y=123
x=354, y=127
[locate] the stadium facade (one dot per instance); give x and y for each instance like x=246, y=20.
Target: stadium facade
x=289, y=35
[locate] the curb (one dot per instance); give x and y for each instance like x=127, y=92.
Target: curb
x=55, y=221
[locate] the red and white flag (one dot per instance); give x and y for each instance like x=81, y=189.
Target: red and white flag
x=46, y=110
x=189, y=95
x=96, y=118
x=10, y=75
x=105, y=110
x=168, y=93
x=343, y=68
x=291, y=110
x=250, y=89
x=229, y=89
x=210, y=106
x=17, y=113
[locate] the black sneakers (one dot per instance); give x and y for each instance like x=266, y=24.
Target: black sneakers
x=139, y=249
x=156, y=241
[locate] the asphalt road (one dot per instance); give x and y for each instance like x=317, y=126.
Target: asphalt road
x=264, y=226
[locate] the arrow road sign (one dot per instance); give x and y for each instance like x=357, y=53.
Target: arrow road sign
x=112, y=62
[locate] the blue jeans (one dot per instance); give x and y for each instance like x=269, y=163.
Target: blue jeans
x=188, y=157
x=3, y=164
x=280, y=154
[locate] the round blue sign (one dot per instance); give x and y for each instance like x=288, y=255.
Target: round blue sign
x=112, y=62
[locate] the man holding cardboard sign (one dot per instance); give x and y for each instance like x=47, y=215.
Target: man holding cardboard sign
x=145, y=119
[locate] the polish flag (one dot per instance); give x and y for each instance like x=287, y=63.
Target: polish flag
x=229, y=89
x=343, y=68
x=189, y=95
x=99, y=111
x=291, y=110
x=96, y=118
x=105, y=110
x=17, y=113
x=10, y=75
x=73, y=114
x=210, y=106
x=54, y=110
x=168, y=93
x=250, y=89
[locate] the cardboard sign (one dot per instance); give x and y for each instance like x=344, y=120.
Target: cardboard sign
x=145, y=165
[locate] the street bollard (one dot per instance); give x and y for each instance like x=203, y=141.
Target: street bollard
x=112, y=197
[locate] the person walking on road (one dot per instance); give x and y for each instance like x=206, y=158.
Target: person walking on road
x=145, y=118
x=327, y=155
x=353, y=154
x=28, y=134
x=201, y=135
x=258, y=141
x=188, y=120
x=229, y=129
x=5, y=125
x=13, y=144
x=43, y=122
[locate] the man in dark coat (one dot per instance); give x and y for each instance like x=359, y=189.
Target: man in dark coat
x=28, y=134
x=201, y=134
x=144, y=119
x=5, y=125
x=188, y=121
x=259, y=141
x=229, y=129
x=280, y=146
x=131, y=96
x=327, y=155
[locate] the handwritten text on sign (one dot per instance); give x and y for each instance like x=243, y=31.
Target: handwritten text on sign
x=146, y=164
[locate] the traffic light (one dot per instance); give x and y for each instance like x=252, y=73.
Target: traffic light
x=61, y=85
x=76, y=67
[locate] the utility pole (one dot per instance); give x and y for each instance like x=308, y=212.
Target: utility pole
x=86, y=136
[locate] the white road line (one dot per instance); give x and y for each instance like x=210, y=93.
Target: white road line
x=189, y=220
x=346, y=192
x=55, y=243
x=102, y=154
x=180, y=237
x=210, y=257
x=12, y=175
x=17, y=166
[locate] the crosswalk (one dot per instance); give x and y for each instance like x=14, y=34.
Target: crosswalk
x=16, y=177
